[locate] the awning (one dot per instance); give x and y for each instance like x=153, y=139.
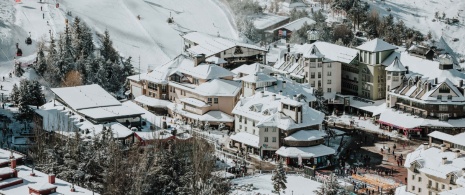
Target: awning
x=152, y=102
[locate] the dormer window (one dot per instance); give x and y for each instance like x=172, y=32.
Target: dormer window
x=444, y=89
x=439, y=97
x=453, y=179
x=238, y=50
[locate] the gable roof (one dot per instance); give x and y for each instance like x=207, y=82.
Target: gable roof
x=330, y=51
x=376, y=45
x=204, y=71
x=210, y=45
x=296, y=24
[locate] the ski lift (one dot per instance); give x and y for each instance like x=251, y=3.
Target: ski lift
x=19, y=52
x=28, y=41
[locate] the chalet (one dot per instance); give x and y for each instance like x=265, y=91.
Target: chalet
x=232, y=51
x=285, y=31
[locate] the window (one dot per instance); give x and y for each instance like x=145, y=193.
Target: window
x=443, y=186
x=313, y=85
x=443, y=107
x=274, y=139
x=253, y=123
x=274, y=129
x=329, y=90
x=413, y=188
x=215, y=100
x=209, y=100
x=150, y=93
x=449, y=97
x=439, y=97
x=319, y=75
x=254, y=131
x=245, y=121
x=329, y=66
x=240, y=126
x=266, y=129
x=319, y=84
x=413, y=177
x=240, y=118
x=419, y=189
x=419, y=179
x=312, y=75
x=266, y=139
x=329, y=73
x=196, y=81
x=329, y=81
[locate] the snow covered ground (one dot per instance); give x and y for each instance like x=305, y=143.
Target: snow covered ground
x=296, y=185
x=419, y=14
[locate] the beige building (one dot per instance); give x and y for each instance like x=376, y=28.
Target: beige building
x=372, y=74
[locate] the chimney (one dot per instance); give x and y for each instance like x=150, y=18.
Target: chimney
x=273, y=97
x=444, y=160
x=261, y=68
x=406, y=72
x=288, y=48
x=13, y=163
x=280, y=92
x=461, y=83
x=51, y=178
x=284, y=84
x=295, y=98
x=436, y=80
x=198, y=59
x=457, y=153
x=443, y=147
x=425, y=146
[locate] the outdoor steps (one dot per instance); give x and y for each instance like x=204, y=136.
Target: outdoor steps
x=10, y=182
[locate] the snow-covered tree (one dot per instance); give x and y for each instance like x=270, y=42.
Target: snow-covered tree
x=41, y=65
x=107, y=51
x=331, y=187
x=279, y=178
x=18, y=70
x=14, y=95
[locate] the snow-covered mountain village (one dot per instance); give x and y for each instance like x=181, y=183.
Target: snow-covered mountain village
x=252, y=97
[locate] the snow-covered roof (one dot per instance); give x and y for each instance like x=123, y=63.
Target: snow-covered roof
x=297, y=24
x=258, y=78
x=305, y=152
x=396, y=66
x=154, y=135
x=147, y=116
x=252, y=68
x=204, y=71
x=264, y=21
x=268, y=112
x=109, y=112
x=194, y=102
x=215, y=87
x=40, y=181
x=152, y=102
x=211, y=45
x=60, y=119
x=85, y=96
x=430, y=161
x=306, y=135
x=5, y=156
x=403, y=191
x=411, y=121
x=455, y=139
x=376, y=45
x=215, y=60
x=42, y=186
x=291, y=88
x=160, y=73
x=211, y=116
x=247, y=139
x=375, y=107
x=330, y=51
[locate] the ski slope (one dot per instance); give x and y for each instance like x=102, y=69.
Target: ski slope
x=152, y=38
x=419, y=14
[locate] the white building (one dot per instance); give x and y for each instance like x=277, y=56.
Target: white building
x=261, y=119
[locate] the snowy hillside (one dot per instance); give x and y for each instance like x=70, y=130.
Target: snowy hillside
x=152, y=37
x=419, y=14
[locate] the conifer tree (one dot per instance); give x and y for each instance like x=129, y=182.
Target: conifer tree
x=14, y=95
x=41, y=64
x=18, y=70
x=279, y=178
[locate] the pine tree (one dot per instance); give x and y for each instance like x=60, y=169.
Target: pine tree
x=128, y=69
x=279, y=178
x=41, y=64
x=77, y=38
x=87, y=41
x=37, y=97
x=14, y=95
x=107, y=50
x=18, y=70
x=331, y=187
